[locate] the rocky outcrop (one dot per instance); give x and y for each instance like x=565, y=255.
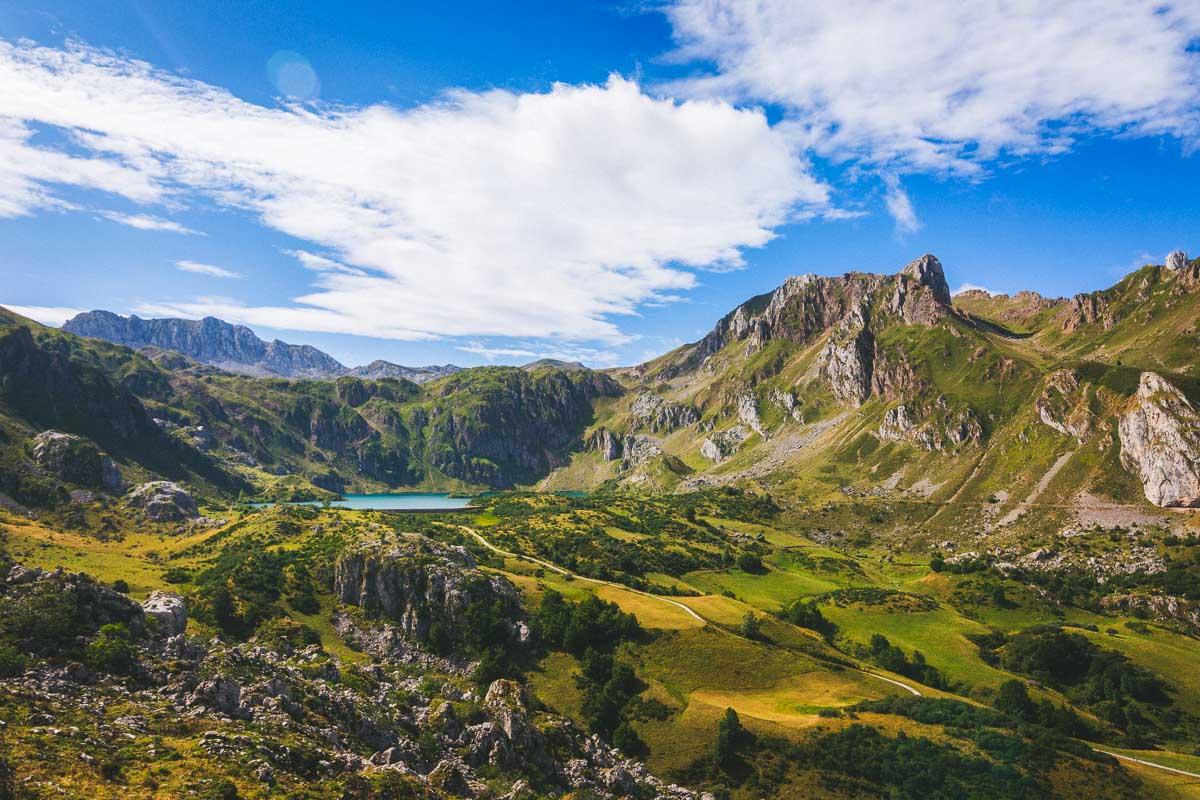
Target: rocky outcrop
x=74, y=459
x=606, y=443
x=938, y=428
x=1167, y=608
x=921, y=295
x=848, y=359
x=1063, y=405
x=1160, y=443
x=1177, y=260
x=91, y=604
x=788, y=403
x=169, y=612
x=1085, y=309
x=424, y=588
x=722, y=444
x=660, y=415
x=163, y=501
x=638, y=449
x=747, y=412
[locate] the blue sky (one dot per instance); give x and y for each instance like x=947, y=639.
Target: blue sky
x=477, y=183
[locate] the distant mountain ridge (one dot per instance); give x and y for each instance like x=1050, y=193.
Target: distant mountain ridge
x=235, y=348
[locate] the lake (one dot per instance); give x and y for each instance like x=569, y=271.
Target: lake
x=406, y=501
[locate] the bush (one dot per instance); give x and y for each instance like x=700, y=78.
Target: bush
x=120, y=586
x=177, y=575
x=111, y=651
x=12, y=663
x=749, y=562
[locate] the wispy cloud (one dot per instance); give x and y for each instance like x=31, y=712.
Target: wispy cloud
x=148, y=222
x=207, y=269
x=53, y=316
x=899, y=206
x=540, y=215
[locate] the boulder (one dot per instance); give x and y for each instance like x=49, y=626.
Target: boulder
x=169, y=612
x=163, y=501
x=75, y=459
x=1177, y=260
x=1160, y=443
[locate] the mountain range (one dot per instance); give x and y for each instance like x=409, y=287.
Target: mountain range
x=855, y=383
x=235, y=348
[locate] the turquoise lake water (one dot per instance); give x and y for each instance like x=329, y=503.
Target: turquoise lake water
x=407, y=501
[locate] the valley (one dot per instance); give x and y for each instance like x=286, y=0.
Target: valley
x=863, y=539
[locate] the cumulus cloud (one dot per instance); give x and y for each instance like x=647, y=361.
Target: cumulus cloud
x=148, y=222
x=53, y=316
x=540, y=215
x=207, y=269
x=948, y=85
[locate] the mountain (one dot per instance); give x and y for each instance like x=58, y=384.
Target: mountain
x=236, y=348
x=885, y=385
x=553, y=363
x=211, y=341
x=386, y=369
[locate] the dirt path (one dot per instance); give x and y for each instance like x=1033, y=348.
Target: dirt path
x=1145, y=763
x=910, y=689
x=562, y=571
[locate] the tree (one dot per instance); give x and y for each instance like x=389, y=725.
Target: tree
x=730, y=736
x=751, y=628
x=1013, y=699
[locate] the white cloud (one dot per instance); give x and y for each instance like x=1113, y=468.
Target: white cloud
x=971, y=287
x=207, y=269
x=53, y=316
x=148, y=222
x=531, y=352
x=948, y=85
x=899, y=205
x=531, y=215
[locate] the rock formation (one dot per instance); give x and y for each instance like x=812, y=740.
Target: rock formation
x=74, y=459
x=163, y=501
x=1160, y=443
x=169, y=612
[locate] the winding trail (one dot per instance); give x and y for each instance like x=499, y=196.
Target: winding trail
x=1146, y=763
x=910, y=689
x=483, y=540
x=563, y=571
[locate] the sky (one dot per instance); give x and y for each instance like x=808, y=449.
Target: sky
x=481, y=182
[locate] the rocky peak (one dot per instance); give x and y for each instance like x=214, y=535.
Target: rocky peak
x=1160, y=443
x=927, y=271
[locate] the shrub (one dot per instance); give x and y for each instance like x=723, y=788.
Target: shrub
x=111, y=650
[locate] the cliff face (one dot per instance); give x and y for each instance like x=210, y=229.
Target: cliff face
x=209, y=341
x=424, y=588
x=1160, y=443
x=386, y=369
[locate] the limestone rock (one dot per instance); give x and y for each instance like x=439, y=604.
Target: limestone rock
x=660, y=415
x=605, y=442
x=163, y=501
x=722, y=444
x=848, y=360
x=168, y=610
x=747, y=411
x=1177, y=260
x=1063, y=405
x=1160, y=443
